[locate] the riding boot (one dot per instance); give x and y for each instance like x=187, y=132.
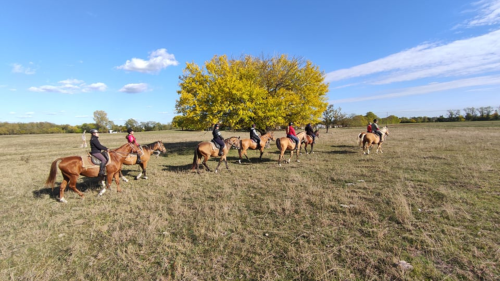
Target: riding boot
x=102, y=169
x=138, y=159
x=221, y=152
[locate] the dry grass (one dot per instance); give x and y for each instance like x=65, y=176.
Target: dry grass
x=432, y=200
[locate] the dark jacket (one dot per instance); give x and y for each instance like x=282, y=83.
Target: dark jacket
x=95, y=145
x=216, y=134
x=253, y=134
x=309, y=129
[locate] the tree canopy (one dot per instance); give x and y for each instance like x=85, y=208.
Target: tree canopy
x=239, y=92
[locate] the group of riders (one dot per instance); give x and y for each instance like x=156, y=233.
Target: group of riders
x=290, y=133
x=96, y=147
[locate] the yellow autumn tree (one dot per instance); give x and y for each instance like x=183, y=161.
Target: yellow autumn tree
x=239, y=92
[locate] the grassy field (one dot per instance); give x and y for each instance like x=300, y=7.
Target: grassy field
x=432, y=199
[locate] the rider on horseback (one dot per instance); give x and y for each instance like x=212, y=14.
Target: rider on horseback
x=376, y=130
x=291, y=134
x=131, y=139
x=310, y=132
x=255, y=136
x=218, y=139
x=95, y=149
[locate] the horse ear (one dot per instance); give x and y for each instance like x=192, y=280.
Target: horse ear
x=239, y=137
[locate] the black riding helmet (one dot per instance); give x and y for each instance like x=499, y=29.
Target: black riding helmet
x=130, y=130
x=93, y=131
x=290, y=124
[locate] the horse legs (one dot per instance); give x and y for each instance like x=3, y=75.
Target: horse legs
x=143, y=170
x=117, y=180
x=205, y=164
x=261, y=153
x=71, y=181
x=123, y=177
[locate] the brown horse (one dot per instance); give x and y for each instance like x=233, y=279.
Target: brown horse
x=206, y=149
x=72, y=167
x=250, y=144
x=309, y=140
x=147, y=150
x=284, y=144
x=369, y=139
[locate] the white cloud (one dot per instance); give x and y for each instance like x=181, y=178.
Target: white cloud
x=471, y=56
x=158, y=60
x=18, y=68
x=101, y=87
x=70, y=86
x=431, y=88
x=134, y=88
x=488, y=13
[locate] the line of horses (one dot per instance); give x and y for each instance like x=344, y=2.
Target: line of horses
x=74, y=166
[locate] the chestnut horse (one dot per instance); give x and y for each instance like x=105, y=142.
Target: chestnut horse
x=250, y=144
x=369, y=139
x=147, y=150
x=72, y=167
x=309, y=140
x=284, y=144
x=206, y=149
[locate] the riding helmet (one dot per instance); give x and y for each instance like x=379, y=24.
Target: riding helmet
x=130, y=130
x=94, y=131
x=290, y=124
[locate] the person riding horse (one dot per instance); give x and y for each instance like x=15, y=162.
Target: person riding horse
x=131, y=139
x=255, y=136
x=310, y=132
x=292, y=135
x=376, y=130
x=218, y=139
x=95, y=149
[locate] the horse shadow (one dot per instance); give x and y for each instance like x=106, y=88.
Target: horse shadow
x=343, y=149
x=180, y=148
x=83, y=185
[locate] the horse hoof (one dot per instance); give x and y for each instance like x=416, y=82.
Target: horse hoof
x=298, y=160
x=102, y=192
x=125, y=180
x=62, y=200
x=239, y=161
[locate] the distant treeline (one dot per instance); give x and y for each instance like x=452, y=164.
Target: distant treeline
x=51, y=128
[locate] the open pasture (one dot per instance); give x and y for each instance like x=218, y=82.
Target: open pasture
x=431, y=199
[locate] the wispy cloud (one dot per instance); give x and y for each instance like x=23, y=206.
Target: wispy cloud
x=134, y=88
x=158, y=60
x=70, y=86
x=431, y=88
x=18, y=68
x=471, y=56
x=488, y=13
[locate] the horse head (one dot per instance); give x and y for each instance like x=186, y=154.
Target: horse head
x=316, y=133
x=271, y=135
x=159, y=146
x=385, y=130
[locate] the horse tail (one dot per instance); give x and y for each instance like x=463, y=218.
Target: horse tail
x=278, y=143
x=52, y=174
x=195, y=158
x=360, y=139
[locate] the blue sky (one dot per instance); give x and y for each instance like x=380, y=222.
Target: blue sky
x=62, y=60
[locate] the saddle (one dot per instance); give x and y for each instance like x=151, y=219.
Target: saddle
x=217, y=146
x=90, y=161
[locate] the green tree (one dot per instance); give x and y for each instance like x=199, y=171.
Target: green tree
x=101, y=120
x=238, y=92
x=132, y=123
x=370, y=116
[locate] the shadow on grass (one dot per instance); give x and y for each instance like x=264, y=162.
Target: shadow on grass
x=180, y=148
x=83, y=185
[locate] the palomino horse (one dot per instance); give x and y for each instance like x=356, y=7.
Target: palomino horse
x=72, y=167
x=206, y=149
x=284, y=144
x=250, y=144
x=147, y=150
x=369, y=139
x=309, y=140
